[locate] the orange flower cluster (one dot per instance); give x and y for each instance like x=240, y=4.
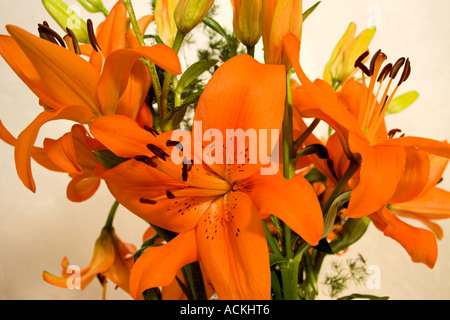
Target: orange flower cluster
x=223, y=227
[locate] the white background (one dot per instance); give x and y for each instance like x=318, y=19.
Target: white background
x=37, y=230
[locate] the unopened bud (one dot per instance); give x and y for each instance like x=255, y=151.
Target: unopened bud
x=67, y=18
x=189, y=13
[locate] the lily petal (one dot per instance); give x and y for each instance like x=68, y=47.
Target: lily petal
x=380, y=172
x=133, y=180
x=158, y=266
x=233, y=250
x=294, y=201
x=420, y=244
x=82, y=186
x=118, y=66
x=66, y=76
x=26, y=139
x=246, y=83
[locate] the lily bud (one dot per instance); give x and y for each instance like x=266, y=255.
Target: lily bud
x=189, y=13
x=341, y=66
x=280, y=17
x=67, y=18
x=165, y=21
x=93, y=6
x=247, y=20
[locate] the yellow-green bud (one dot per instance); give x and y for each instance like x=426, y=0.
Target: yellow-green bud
x=189, y=13
x=67, y=18
x=165, y=21
x=94, y=6
x=247, y=20
x=341, y=66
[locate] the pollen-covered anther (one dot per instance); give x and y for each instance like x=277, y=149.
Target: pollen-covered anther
x=147, y=201
x=393, y=132
x=169, y=194
x=384, y=72
x=160, y=153
x=406, y=72
x=150, y=161
x=153, y=131
x=49, y=34
x=184, y=173
x=74, y=44
x=396, y=67
x=171, y=143
x=92, y=37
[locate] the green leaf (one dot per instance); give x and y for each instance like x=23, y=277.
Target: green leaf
x=363, y=296
x=351, y=232
x=193, y=72
x=324, y=246
x=173, y=118
x=310, y=10
x=315, y=175
x=338, y=204
x=402, y=102
x=108, y=158
x=213, y=24
x=275, y=259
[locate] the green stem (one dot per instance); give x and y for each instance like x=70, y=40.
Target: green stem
x=351, y=170
x=287, y=242
x=305, y=134
x=251, y=51
x=150, y=65
x=194, y=279
x=288, y=132
x=168, y=77
x=112, y=213
x=273, y=245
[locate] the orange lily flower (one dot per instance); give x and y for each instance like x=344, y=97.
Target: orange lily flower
x=72, y=153
x=432, y=203
x=358, y=119
x=69, y=87
x=112, y=258
x=215, y=208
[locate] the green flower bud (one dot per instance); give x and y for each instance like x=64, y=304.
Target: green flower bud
x=67, y=18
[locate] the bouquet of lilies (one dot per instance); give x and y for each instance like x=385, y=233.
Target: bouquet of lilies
x=241, y=198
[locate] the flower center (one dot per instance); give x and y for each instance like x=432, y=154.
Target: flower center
x=374, y=105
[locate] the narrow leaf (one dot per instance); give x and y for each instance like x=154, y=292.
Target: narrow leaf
x=402, y=102
x=363, y=296
x=109, y=159
x=310, y=10
x=213, y=24
x=193, y=72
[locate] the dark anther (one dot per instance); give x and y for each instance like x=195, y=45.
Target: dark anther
x=76, y=45
x=364, y=69
x=363, y=56
x=147, y=201
x=392, y=133
x=92, y=38
x=169, y=194
x=374, y=59
x=171, y=143
x=160, y=153
x=406, y=72
x=153, y=131
x=147, y=160
x=396, y=67
x=384, y=73
x=49, y=32
x=185, y=172
x=384, y=103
